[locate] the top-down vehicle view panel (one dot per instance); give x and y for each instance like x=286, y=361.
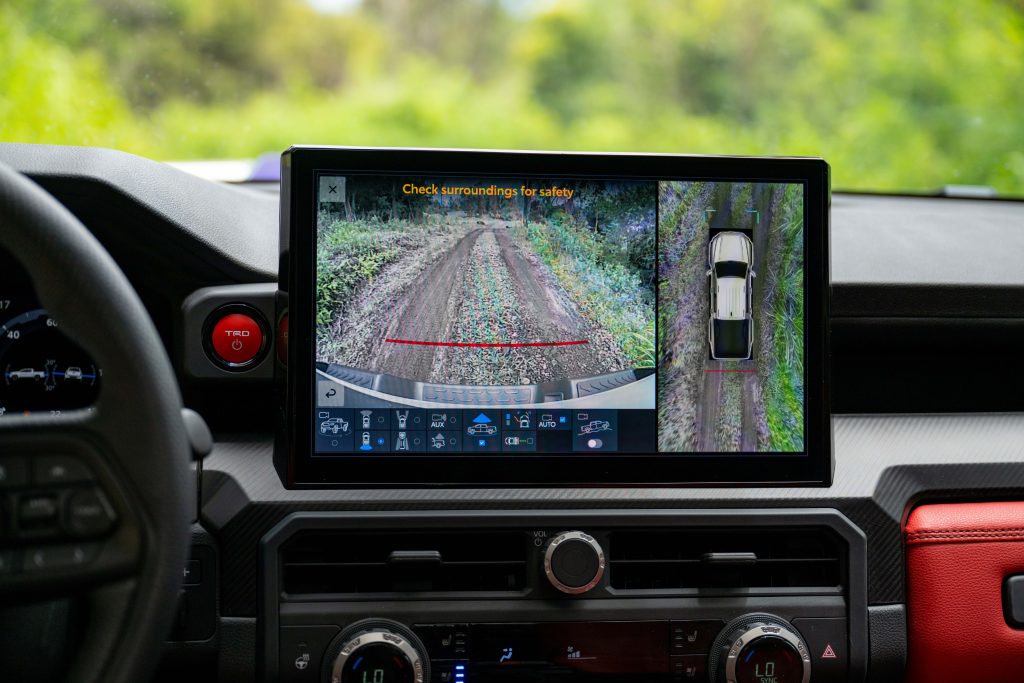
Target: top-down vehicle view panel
x=395, y=341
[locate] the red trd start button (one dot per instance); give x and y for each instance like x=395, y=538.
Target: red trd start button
x=236, y=338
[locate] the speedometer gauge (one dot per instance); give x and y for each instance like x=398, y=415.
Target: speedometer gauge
x=42, y=369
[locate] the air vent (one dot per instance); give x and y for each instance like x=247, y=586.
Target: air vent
x=726, y=560
x=343, y=563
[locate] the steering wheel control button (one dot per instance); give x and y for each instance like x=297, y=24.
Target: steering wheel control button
x=826, y=640
x=37, y=508
x=38, y=515
x=58, y=469
x=574, y=562
x=13, y=472
x=236, y=337
x=58, y=557
x=88, y=514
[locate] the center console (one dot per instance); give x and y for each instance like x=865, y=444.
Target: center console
x=493, y=320
x=713, y=596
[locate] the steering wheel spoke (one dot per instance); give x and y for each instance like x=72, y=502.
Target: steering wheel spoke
x=65, y=522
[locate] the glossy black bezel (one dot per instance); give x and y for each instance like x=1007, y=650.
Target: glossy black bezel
x=299, y=166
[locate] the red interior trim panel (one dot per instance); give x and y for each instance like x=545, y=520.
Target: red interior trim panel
x=958, y=559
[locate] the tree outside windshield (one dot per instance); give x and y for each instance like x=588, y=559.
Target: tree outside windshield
x=909, y=95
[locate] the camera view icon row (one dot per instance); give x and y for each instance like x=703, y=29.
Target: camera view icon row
x=417, y=430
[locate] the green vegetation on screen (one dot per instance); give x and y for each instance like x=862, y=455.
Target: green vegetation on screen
x=784, y=386
x=349, y=254
x=611, y=291
x=907, y=95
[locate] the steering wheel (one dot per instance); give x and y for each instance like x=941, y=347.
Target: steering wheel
x=117, y=474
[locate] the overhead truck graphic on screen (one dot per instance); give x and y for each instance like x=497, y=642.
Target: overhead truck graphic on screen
x=731, y=325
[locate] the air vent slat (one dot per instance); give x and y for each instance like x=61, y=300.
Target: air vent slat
x=350, y=563
x=775, y=558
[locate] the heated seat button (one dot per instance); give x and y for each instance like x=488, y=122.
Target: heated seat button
x=694, y=637
x=236, y=339
x=689, y=668
x=301, y=652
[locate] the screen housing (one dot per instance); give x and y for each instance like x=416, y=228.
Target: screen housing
x=295, y=442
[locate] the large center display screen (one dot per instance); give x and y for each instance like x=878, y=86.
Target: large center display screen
x=511, y=315
x=460, y=315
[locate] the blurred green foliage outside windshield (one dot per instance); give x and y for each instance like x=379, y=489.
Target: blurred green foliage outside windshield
x=895, y=94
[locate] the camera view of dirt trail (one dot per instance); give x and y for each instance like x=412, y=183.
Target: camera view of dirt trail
x=487, y=281
x=709, y=405
x=491, y=289
x=484, y=310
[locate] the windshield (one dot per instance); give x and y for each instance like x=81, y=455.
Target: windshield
x=897, y=96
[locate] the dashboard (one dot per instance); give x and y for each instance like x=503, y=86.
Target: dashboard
x=284, y=579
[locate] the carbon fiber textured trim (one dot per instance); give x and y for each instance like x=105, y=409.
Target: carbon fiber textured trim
x=883, y=465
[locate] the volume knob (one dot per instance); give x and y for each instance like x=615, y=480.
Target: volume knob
x=574, y=562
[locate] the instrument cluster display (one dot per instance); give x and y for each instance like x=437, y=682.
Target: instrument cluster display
x=42, y=369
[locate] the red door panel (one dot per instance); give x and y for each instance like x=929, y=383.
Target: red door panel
x=958, y=556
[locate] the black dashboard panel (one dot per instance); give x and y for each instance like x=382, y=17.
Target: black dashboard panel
x=928, y=315
x=216, y=233
x=926, y=257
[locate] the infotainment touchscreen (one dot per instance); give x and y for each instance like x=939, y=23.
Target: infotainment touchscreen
x=490, y=318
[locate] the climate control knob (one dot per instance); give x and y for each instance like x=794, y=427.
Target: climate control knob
x=574, y=562
x=377, y=650
x=760, y=647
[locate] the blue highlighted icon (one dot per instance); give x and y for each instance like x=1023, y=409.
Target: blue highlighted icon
x=481, y=419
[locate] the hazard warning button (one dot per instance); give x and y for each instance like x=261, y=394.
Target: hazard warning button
x=826, y=641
